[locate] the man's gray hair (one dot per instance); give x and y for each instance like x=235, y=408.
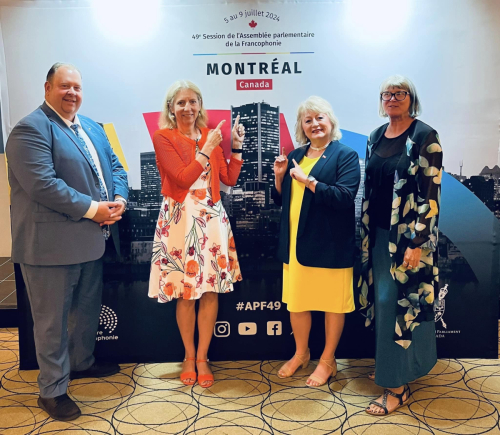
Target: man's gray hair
x=402, y=82
x=58, y=65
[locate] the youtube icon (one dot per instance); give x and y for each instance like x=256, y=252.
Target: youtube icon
x=247, y=328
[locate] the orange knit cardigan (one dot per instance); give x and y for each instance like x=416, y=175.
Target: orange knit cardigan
x=175, y=157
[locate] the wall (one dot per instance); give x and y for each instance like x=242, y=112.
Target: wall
x=129, y=57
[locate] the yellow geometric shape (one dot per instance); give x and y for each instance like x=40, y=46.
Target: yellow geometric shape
x=6, y=174
x=115, y=144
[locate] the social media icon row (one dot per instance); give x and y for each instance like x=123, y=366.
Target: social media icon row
x=223, y=329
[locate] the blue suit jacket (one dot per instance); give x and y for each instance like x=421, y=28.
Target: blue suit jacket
x=52, y=185
x=326, y=230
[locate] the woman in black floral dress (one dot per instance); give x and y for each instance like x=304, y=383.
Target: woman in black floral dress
x=399, y=243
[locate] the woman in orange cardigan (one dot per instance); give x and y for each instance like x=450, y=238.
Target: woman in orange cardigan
x=194, y=255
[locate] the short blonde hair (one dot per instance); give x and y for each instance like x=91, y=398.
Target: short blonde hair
x=316, y=104
x=167, y=118
x=402, y=82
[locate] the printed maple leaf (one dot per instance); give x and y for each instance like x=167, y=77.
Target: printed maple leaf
x=252, y=24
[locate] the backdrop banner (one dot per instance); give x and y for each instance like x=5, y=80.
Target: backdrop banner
x=259, y=61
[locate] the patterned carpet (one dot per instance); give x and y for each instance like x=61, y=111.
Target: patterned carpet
x=457, y=397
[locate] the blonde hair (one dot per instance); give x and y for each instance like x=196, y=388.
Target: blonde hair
x=167, y=118
x=316, y=104
x=402, y=82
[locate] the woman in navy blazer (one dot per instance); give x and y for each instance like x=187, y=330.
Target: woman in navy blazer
x=316, y=187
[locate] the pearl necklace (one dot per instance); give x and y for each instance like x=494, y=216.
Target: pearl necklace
x=318, y=149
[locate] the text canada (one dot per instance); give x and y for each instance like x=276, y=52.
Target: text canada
x=251, y=84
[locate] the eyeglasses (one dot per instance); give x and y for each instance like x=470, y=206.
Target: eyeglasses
x=399, y=96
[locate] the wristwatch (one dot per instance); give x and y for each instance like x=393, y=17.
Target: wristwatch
x=310, y=180
x=123, y=201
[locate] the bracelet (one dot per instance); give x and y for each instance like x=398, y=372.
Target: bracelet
x=237, y=150
x=203, y=154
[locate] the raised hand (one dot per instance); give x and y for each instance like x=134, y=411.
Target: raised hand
x=214, y=138
x=297, y=173
x=238, y=133
x=280, y=164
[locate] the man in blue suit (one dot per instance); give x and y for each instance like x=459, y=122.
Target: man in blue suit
x=68, y=189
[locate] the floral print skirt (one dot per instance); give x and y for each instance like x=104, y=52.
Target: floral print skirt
x=193, y=249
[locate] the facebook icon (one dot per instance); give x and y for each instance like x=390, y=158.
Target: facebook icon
x=274, y=328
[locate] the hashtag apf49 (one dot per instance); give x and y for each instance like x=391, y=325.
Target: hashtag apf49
x=262, y=305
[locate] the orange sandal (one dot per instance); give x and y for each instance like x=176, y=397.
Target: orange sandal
x=188, y=378
x=205, y=381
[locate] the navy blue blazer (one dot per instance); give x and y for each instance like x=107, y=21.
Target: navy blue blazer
x=326, y=232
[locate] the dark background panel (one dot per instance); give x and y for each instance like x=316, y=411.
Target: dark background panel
x=146, y=331
x=135, y=328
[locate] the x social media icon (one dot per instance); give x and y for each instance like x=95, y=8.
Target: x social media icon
x=247, y=328
x=274, y=328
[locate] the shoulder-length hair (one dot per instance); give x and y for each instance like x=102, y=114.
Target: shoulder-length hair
x=316, y=104
x=167, y=118
x=402, y=82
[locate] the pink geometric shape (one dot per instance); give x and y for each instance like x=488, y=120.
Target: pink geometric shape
x=216, y=116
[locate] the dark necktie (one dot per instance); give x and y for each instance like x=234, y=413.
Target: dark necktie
x=102, y=190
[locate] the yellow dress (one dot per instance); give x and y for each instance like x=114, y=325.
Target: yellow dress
x=313, y=288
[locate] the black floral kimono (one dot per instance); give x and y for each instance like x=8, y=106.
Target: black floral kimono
x=414, y=223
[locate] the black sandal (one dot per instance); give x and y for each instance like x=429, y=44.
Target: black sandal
x=383, y=405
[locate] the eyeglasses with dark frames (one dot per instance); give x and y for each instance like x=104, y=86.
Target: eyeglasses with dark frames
x=399, y=96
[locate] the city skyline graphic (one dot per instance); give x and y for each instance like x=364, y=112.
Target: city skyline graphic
x=253, y=215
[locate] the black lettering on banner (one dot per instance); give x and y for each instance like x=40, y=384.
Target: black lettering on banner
x=274, y=66
x=212, y=69
x=239, y=68
x=216, y=36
